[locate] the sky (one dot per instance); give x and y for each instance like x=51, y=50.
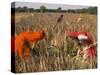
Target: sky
x=48, y=5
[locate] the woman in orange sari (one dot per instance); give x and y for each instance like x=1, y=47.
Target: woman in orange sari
x=22, y=40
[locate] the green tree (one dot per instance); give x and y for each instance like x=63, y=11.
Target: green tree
x=42, y=8
x=25, y=9
x=31, y=9
x=18, y=9
x=92, y=10
x=59, y=9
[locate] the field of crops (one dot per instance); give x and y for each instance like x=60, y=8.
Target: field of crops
x=63, y=55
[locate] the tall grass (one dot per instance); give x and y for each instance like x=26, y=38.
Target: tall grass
x=61, y=56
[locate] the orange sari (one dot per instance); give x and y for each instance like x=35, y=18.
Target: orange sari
x=22, y=38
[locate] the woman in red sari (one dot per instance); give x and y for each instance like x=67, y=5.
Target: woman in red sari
x=86, y=41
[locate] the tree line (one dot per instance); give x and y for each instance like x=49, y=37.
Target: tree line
x=90, y=10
